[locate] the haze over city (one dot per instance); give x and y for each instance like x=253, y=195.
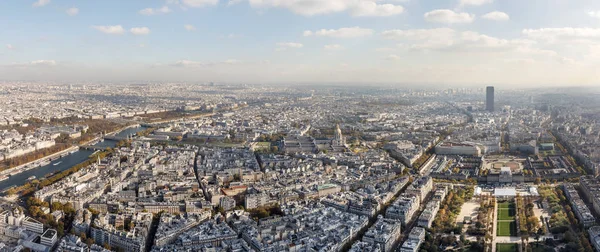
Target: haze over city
x=299, y=126
x=434, y=42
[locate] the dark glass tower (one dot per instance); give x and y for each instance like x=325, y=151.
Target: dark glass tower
x=489, y=99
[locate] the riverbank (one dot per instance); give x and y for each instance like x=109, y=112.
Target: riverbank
x=27, y=166
x=24, y=167
x=31, y=186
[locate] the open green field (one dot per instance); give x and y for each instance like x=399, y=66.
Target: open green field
x=507, y=204
x=506, y=247
x=507, y=228
x=506, y=214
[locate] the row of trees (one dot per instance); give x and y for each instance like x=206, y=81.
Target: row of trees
x=483, y=225
x=30, y=157
x=563, y=221
x=528, y=223
x=445, y=220
x=559, y=221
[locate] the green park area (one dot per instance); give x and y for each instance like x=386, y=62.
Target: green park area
x=507, y=228
x=507, y=225
x=506, y=247
x=506, y=214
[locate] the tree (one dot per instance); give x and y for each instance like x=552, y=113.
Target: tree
x=11, y=191
x=56, y=206
x=89, y=241
x=60, y=229
x=68, y=209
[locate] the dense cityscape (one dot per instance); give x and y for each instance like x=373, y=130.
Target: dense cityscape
x=299, y=126
x=271, y=168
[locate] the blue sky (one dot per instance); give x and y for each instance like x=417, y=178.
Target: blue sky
x=434, y=42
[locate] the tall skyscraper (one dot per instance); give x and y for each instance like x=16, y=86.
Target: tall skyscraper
x=489, y=99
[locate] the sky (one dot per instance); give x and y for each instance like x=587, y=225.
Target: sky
x=520, y=43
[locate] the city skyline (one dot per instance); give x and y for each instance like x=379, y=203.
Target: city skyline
x=438, y=43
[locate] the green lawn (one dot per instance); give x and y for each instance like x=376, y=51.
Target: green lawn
x=506, y=204
x=507, y=228
x=506, y=214
x=506, y=247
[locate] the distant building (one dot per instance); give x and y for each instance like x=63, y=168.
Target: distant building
x=256, y=200
x=453, y=148
x=489, y=99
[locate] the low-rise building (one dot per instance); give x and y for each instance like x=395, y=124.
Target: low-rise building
x=49, y=237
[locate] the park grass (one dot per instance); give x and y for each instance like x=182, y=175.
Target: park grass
x=506, y=247
x=507, y=228
x=506, y=204
x=506, y=214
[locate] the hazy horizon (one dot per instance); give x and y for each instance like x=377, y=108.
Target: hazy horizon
x=440, y=44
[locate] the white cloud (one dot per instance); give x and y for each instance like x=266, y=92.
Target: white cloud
x=147, y=11
x=282, y=46
x=189, y=27
x=140, y=30
x=333, y=47
x=231, y=61
x=234, y=2
x=35, y=63
x=368, y=8
x=475, y=2
x=594, y=14
x=193, y=64
x=347, y=32
x=43, y=63
x=448, y=17
x=451, y=41
x=40, y=3
x=496, y=16
x=419, y=34
x=10, y=47
x=392, y=57
x=150, y=11
x=319, y=7
x=563, y=34
x=187, y=63
x=199, y=3
x=72, y=11
x=110, y=29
